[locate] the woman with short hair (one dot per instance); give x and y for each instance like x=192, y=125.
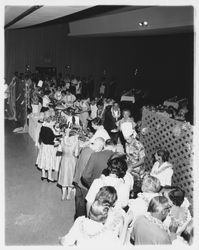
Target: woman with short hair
x=102, y=226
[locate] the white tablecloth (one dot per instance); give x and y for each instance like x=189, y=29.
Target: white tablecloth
x=128, y=98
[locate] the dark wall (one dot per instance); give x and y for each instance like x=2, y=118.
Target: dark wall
x=164, y=63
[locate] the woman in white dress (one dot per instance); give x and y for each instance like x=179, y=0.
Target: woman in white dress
x=162, y=169
x=103, y=226
x=68, y=162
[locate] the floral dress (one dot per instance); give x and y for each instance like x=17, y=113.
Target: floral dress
x=135, y=152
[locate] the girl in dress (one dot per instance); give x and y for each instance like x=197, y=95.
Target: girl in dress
x=103, y=225
x=47, y=152
x=162, y=169
x=67, y=168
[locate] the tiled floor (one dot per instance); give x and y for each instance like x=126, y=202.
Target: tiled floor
x=34, y=212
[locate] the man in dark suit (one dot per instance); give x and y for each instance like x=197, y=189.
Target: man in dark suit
x=111, y=116
x=97, y=163
x=81, y=190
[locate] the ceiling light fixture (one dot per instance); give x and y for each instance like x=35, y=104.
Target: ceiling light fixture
x=143, y=24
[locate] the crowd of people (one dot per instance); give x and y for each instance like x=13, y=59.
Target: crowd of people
x=91, y=148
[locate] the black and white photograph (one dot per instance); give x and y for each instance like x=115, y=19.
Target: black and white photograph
x=99, y=124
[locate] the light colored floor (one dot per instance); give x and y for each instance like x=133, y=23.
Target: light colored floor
x=34, y=212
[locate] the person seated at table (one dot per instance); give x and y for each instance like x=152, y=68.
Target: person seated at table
x=114, y=175
x=187, y=234
x=150, y=188
x=179, y=213
x=162, y=168
x=97, y=163
x=99, y=130
x=68, y=98
x=103, y=225
x=72, y=118
x=58, y=94
x=111, y=117
x=45, y=101
x=149, y=228
x=100, y=109
x=93, y=109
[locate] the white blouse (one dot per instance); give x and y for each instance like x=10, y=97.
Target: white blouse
x=122, y=186
x=164, y=172
x=101, y=132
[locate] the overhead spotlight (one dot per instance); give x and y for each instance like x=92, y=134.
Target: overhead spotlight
x=143, y=24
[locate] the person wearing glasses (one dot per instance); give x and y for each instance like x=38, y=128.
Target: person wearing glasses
x=149, y=228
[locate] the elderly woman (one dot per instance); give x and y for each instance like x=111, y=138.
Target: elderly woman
x=162, y=168
x=150, y=188
x=102, y=226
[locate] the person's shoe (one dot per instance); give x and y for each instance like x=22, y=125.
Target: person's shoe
x=43, y=178
x=49, y=180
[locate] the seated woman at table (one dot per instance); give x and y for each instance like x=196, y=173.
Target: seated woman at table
x=47, y=152
x=103, y=227
x=68, y=98
x=58, y=94
x=67, y=168
x=162, y=168
x=100, y=131
x=45, y=101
